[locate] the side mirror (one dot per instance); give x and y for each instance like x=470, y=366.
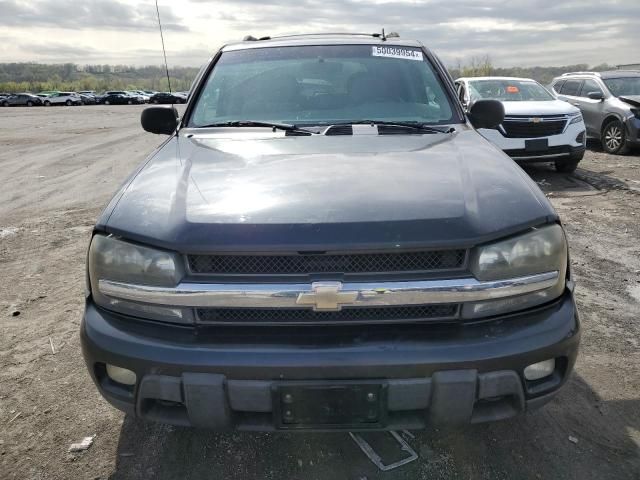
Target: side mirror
x=595, y=95
x=486, y=114
x=160, y=120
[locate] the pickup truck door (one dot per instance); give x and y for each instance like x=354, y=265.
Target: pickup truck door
x=592, y=110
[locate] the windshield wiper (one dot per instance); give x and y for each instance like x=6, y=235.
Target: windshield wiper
x=287, y=127
x=414, y=125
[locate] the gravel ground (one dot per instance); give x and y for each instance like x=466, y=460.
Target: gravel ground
x=60, y=166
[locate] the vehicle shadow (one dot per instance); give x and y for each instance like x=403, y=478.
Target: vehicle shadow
x=582, y=182
x=578, y=435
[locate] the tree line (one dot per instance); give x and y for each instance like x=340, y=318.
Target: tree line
x=482, y=66
x=36, y=77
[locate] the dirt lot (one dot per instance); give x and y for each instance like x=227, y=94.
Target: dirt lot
x=58, y=168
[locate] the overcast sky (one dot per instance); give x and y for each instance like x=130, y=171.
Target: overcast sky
x=512, y=32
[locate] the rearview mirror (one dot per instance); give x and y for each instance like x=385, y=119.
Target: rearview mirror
x=160, y=120
x=486, y=114
x=595, y=95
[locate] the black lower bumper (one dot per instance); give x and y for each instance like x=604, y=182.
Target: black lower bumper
x=550, y=154
x=633, y=132
x=423, y=375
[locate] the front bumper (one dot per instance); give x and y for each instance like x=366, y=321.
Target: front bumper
x=430, y=375
x=633, y=131
x=571, y=142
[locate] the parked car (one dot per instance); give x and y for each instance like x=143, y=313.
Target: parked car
x=120, y=98
x=139, y=93
x=21, y=99
x=168, y=98
x=87, y=99
x=328, y=243
x=62, y=98
x=610, y=105
x=537, y=127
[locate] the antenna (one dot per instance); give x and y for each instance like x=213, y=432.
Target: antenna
x=166, y=66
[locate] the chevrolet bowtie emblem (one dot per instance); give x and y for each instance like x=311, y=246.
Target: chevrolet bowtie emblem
x=327, y=297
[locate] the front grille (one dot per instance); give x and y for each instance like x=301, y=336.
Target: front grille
x=303, y=264
x=348, y=315
x=556, y=150
x=524, y=128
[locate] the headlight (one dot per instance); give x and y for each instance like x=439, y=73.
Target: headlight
x=541, y=250
x=119, y=261
x=576, y=118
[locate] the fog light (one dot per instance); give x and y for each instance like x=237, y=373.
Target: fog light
x=540, y=370
x=121, y=375
x=580, y=137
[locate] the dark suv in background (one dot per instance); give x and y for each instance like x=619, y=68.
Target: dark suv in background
x=324, y=241
x=21, y=100
x=610, y=105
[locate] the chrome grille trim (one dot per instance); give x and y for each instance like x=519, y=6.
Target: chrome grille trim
x=532, y=126
x=214, y=295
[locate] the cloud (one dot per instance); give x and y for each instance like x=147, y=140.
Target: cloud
x=544, y=31
x=514, y=33
x=90, y=14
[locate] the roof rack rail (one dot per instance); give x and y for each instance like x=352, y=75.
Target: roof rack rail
x=595, y=74
x=251, y=38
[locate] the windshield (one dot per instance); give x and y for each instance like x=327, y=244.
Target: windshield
x=316, y=85
x=509, y=90
x=623, y=86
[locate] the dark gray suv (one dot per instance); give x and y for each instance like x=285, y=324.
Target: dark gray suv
x=610, y=105
x=324, y=241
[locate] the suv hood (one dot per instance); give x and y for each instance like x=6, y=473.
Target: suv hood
x=252, y=189
x=551, y=107
x=633, y=100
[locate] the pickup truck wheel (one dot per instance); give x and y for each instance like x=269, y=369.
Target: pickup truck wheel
x=614, y=138
x=68, y=102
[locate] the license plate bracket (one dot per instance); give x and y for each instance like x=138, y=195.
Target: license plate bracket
x=330, y=405
x=537, y=145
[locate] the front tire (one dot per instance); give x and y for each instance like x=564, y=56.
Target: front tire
x=129, y=102
x=569, y=165
x=68, y=103
x=107, y=102
x=5, y=104
x=614, y=138
x=29, y=104
x=47, y=104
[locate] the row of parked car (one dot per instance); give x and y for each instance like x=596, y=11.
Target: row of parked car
x=553, y=124
x=88, y=97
